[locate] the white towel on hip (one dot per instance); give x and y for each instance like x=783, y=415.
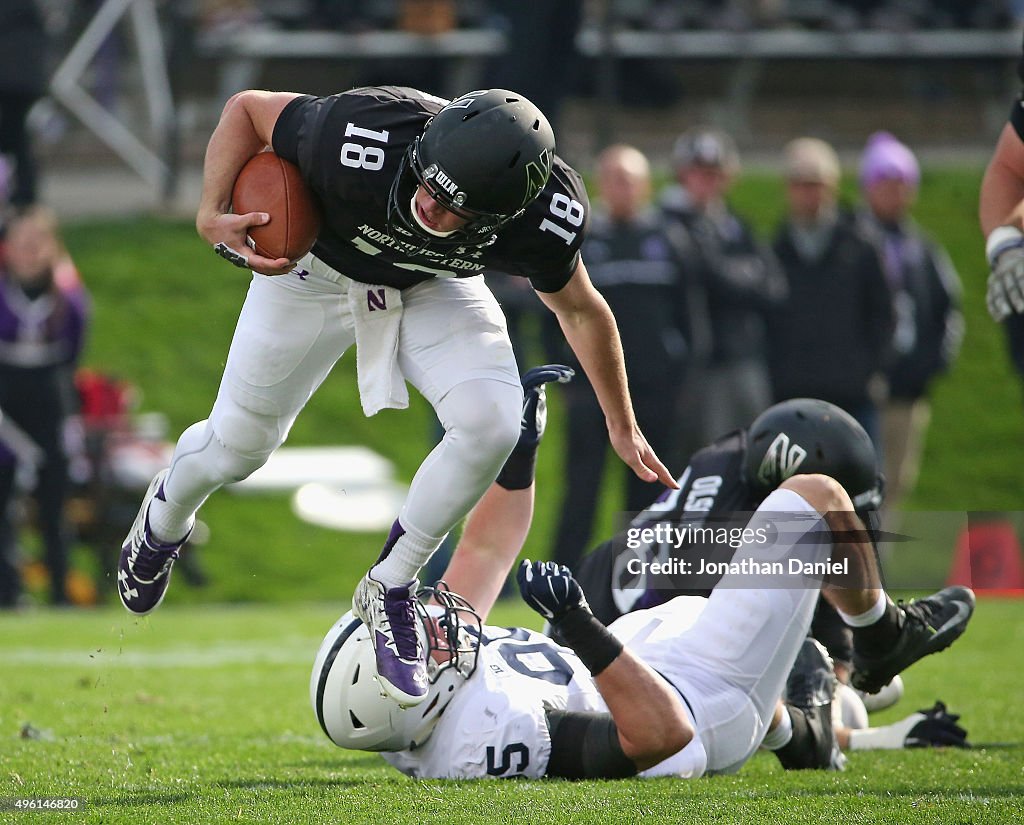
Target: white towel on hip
x=377, y=315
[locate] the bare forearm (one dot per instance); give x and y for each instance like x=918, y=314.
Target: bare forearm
x=232, y=143
x=1002, y=189
x=594, y=337
x=647, y=711
x=491, y=540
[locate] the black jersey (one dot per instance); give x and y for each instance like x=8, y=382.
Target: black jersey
x=349, y=147
x=702, y=520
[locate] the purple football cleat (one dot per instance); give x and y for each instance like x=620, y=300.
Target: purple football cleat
x=391, y=618
x=144, y=569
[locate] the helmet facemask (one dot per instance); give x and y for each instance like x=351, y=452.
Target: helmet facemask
x=452, y=630
x=347, y=698
x=480, y=228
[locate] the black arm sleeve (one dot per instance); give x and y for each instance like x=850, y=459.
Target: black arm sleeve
x=585, y=745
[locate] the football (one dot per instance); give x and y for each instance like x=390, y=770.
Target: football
x=271, y=184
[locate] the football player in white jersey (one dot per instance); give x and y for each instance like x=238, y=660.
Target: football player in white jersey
x=419, y=196
x=690, y=687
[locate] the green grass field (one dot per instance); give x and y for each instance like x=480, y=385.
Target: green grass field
x=202, y=716
x=200, y=713
x=165, y=307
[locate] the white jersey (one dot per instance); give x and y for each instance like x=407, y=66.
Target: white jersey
x=496, y=724
x=728, y=656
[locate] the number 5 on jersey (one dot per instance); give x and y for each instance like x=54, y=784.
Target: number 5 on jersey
x=570, y=211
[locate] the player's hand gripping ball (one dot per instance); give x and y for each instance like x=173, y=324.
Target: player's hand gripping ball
x=271, y=184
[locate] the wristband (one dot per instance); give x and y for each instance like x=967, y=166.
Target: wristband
x=1001, y=239
x=518, y=471
x=582, y=631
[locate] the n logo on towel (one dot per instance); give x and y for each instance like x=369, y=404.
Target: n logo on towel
x=375, y=299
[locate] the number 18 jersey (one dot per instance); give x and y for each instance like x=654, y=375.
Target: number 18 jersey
x=348, y=148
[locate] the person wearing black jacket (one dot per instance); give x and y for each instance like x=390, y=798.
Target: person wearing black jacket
x=925, y=292
x=636, y=266
x=831, y=338
x=23, y=77
x=734, y=284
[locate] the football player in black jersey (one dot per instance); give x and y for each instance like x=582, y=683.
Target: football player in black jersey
x=1001, y=215
x=419, y=196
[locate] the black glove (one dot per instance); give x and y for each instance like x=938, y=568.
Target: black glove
x=550, y=589
x=937, y=729
x=535, y=408
x=517, y=473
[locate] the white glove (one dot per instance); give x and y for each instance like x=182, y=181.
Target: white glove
x=1005, y=252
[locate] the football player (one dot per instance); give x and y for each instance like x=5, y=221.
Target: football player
x=419, y=196
x=1001, y=215
x=686, y=688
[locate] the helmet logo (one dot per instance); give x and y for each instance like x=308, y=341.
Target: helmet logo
x=781, y=460
x=466, y=100
x=444, y=183
x=537, y=174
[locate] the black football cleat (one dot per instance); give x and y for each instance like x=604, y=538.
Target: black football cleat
x=144, y=568
x=809, y=692
x=928, y=626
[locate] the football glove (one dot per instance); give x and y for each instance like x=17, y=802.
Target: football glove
x=1006, y=283
x=936, y=728
x=550, y=589
x=535, y=408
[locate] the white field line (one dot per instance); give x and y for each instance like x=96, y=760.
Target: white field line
x=280, y=652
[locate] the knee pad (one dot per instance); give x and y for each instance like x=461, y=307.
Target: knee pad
x=247, y=434
x=484, y=416
x=209, y=461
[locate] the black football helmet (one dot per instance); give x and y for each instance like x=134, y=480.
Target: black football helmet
x=807, y=435
x=485, y=156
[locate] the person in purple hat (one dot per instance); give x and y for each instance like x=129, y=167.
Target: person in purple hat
x=928, y=326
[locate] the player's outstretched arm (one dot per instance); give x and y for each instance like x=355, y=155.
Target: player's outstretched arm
x=1001, y=216
x=589, y=327
x=497, y=527
x=245, y=128
x=647, y=723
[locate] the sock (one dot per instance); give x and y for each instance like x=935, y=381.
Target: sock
x=875, y=630
x=889, y=737
x=869, y=616
x=781, y=736
x=169, y=523
x=409, y=550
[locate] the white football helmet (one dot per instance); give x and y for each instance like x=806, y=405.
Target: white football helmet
x=347, y=698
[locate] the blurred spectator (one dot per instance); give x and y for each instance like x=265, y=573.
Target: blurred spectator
x=831, y=337
x=43, y=314
x=926, y=296
x=23, y=78
x=542, y=59
x=734, y=284
x=226, y=17
x=635, y=265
